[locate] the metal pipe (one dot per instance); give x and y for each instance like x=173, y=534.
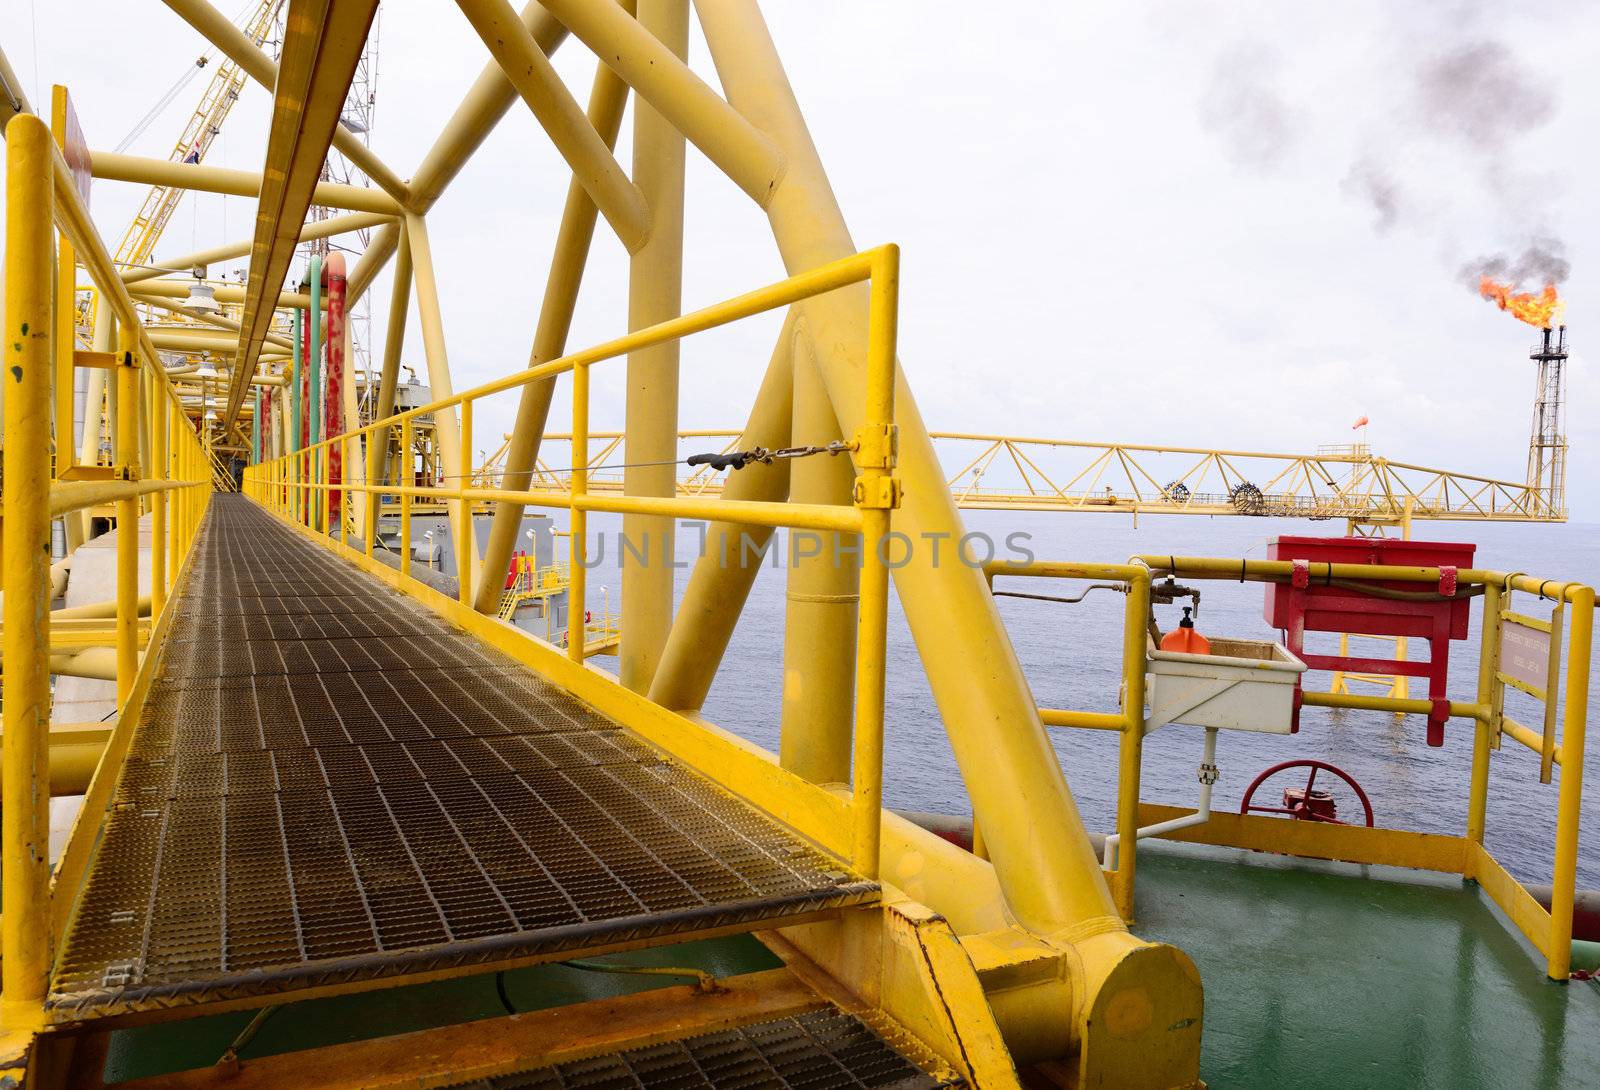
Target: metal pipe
x=315, y=316
x=331, y=393
x=328, y=228
x=731, y=552
x=116, y=167
x=393, y=343
x=24, y=753
x=148, y=291
x=655, y=294
x=821, y=602
x=445, y=428
x=215, y=320
x=1201, y=815
x=607, y=98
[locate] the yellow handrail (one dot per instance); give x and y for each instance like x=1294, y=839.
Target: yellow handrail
x=1549, y=931
x=294, y=485
x=40, y=199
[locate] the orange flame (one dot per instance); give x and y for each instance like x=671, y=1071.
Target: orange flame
x=1542, y=310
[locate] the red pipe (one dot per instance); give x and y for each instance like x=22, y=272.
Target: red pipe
x=333, y=281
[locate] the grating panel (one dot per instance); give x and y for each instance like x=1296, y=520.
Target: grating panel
x=819, y=1050
x=337, y=786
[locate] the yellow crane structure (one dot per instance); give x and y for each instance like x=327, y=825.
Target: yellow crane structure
x=327, y=774
x=1014, y=473
x=194, y=142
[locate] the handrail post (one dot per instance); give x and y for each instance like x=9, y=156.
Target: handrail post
x=25, y=952
x=876, y=494
x=1484, y=727
x=464, y=539
x=158, y=503
x=127, y=378
x=1575, y=712
x=177, y=423
x=377, y=475
x=1130, y=748
x=407, y=478
x=578, y=485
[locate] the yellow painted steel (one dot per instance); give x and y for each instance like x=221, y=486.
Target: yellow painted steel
x=127, y=440
x=25, y=950
x=586, y=151
x=730, y=559
x=1573, y=727
x=117, y=167
x=1550, y=932
x=655, y=294
x=822, y=600
x=280, y=483
x=578, y=594
x=39, y=193
x=607, y=97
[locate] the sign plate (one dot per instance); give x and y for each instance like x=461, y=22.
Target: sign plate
x=1525, y=654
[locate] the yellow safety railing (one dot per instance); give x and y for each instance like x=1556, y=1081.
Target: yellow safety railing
x=297, y=487
x=1549, y=930
x=160, y=467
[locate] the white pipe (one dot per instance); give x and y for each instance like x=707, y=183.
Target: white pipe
x=1208, y=778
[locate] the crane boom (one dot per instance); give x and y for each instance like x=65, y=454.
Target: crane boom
x=139, y=240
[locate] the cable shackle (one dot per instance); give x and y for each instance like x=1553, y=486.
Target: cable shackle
x=738, y=459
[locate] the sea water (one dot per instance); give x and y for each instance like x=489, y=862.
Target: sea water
x=1071, y=655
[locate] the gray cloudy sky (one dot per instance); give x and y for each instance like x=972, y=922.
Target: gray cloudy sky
x=1233, y=224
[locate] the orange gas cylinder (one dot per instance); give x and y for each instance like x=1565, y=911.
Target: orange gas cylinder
x=1184, y=639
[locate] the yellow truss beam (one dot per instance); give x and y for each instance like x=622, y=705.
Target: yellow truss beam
x=323, y=40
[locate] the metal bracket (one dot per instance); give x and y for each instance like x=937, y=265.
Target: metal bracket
x=877, y=492
x=876, y=446
x=125, y=473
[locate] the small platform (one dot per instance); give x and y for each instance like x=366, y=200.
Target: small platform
x=330, y=784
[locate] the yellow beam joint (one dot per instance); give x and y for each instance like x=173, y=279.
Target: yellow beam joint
x=745, y=154
x=586, y=151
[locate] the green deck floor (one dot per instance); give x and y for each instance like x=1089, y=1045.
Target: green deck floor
x=1317, y=975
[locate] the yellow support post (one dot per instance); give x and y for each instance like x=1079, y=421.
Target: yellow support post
x=655, y=294
x=1575, y=715
x=159, y=419
x=127, y=445
x=607, y=97
x=1484, y=728
x=25, y=946
x=1130, y=748
x=822, y=602
x=464, y=538
x=407, y=479
x=577, y=568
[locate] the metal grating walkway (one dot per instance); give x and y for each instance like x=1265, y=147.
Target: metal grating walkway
x=813, y=1051
x=330, y=783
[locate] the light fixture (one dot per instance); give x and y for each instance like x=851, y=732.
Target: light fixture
x=202, y=299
